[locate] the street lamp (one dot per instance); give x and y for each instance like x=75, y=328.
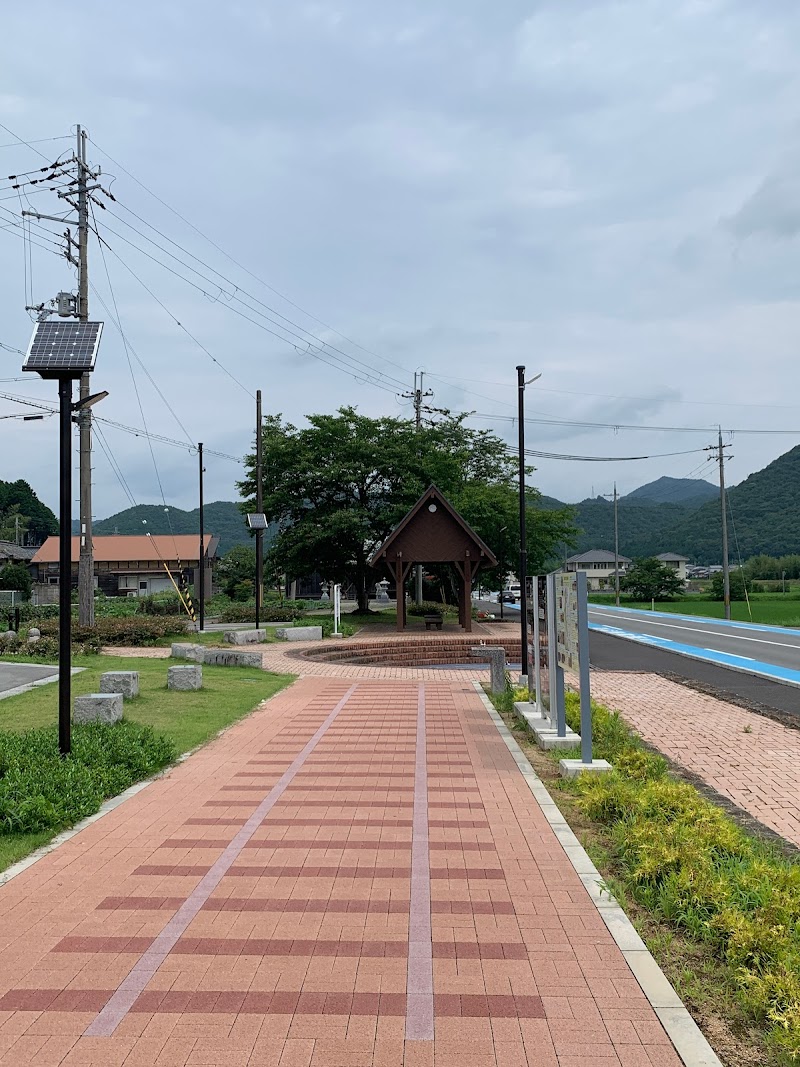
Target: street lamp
x=523, y=534
x=64, y=351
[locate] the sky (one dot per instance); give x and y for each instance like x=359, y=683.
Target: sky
x=605, y=191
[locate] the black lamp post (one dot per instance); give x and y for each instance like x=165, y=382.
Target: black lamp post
x=65, y=351
x=523, y=533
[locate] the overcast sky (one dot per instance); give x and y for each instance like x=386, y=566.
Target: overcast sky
x=603, y=190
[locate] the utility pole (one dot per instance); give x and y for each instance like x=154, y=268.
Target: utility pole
x=719, y=454
x=259, y=508
x=417, y=396
x=86, y=557
x=77, y=193
x=201, y=559
x=616, y=546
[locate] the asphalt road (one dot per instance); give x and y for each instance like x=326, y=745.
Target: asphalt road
x=15, y=675
x=766, y=644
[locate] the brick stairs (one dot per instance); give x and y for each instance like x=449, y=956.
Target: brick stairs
x=412, y=651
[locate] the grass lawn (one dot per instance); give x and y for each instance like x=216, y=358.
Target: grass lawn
x=188, y=718
x=777, y=611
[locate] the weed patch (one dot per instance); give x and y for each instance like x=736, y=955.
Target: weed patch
x=695, y=870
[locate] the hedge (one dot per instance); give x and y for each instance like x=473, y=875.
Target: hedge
x=135, y=630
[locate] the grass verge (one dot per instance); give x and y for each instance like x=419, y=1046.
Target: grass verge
x=767, y=609
x=174, y=722
x=718, y=907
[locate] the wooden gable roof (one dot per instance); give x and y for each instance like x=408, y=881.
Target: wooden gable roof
x=433, y=532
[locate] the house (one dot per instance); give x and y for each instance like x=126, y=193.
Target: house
x=676, y=562
x=599, y=565
x=133, y=566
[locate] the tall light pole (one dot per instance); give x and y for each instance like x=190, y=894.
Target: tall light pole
x=523, y=533
x=201, y=563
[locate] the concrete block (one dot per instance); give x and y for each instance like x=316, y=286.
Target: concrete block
x=495, y=656
x=299, y=633
x=184, y=650
x=189, y=677
x=570, y=768
x=222, y=657
x=124, y=682
x=548, y=740
x=97, y=707
x=244, y=637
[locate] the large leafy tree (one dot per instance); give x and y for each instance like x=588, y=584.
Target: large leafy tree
x=336, y=488
x=650, y=579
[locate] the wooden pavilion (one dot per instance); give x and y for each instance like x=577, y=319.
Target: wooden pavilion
x=434, y=532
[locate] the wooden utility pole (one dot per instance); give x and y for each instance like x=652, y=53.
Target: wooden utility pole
x=718, y=451
x=86, y=557
x=417, y=396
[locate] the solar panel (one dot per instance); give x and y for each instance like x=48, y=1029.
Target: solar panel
x=257, y=522
x=63, y=349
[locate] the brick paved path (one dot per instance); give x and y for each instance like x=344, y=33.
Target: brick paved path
x=753, y=761
x=355, y=875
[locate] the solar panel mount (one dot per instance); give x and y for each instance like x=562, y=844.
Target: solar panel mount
x=63, y=349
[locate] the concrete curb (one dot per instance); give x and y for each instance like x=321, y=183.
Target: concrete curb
x=114, y=802
x=690, y=1044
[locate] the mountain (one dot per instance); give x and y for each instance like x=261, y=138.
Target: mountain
x=689, y=491
x=221, y=518
x=764, y=516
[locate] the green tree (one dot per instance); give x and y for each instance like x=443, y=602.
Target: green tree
x=650, y=579
x=236, y=572
x=337, y=488
x=15, y=576
x=737, y=586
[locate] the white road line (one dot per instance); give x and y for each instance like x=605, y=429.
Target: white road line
x=696, y=630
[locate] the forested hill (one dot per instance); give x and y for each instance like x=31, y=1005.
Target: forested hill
x=36, y=520
x=691, y=492
x=765, y=510
x=221, y=518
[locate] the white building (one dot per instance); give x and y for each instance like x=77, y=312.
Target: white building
x=599, y=565
x=676, y=562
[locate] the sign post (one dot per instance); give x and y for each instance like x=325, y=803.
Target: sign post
x=337, y=609
x=572, y=637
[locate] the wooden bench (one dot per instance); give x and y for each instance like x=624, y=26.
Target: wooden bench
x=433, y=620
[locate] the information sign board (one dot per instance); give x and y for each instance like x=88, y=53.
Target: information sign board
x=567, y=635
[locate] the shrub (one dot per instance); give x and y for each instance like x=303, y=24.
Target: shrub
x=289, y=611
x=160, y=604
x=45, y=648
x=431, y=607
x=135, y=631
x=40, y=790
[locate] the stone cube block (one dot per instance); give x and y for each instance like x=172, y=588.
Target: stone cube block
x=124, y=682
x=97, y=707
x=185, y=678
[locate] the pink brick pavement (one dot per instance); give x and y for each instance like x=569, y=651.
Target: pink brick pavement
x=311, y=889
x=752, y=760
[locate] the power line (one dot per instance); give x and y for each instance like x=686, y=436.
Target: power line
x=627, y=426
x=313, y=345
x=174, y=318
x=241, y=266
x=533, y=453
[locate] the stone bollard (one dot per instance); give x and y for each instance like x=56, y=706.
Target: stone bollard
x=34, y=635
x=97, y=707
x=496, y=655
x=124, y=682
